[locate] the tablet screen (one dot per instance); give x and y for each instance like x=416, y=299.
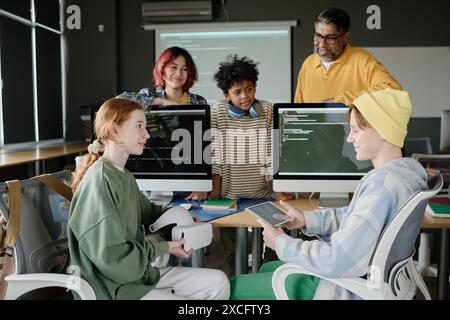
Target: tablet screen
x=266, y=211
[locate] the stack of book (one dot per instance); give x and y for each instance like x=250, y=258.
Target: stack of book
x=220, y=204
x=439, y=207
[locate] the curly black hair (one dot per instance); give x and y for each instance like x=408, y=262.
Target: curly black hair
x=235, y=70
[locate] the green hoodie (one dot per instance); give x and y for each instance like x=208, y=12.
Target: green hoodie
x=106, y=240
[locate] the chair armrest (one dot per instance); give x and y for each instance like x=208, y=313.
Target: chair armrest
x=358, y=286
x=18, y=284
x=430, y=157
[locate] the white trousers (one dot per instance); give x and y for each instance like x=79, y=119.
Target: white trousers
x=182, y=283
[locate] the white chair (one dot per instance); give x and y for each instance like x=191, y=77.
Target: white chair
x=41, y=252
x=392, y=275
x=423, y=263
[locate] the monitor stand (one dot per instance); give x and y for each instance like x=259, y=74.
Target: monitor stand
x=333, y=199
x=162, y=198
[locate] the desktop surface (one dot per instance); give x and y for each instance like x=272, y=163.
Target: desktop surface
x=37, y=153
x=210, y=215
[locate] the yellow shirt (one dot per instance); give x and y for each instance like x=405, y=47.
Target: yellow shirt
x=184, y=99
x=349, y=75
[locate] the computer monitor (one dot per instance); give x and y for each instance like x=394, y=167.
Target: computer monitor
x=311, y=153
x=445, y=131
x=177, y=156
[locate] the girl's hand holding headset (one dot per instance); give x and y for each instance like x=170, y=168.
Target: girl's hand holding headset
x=175, y=248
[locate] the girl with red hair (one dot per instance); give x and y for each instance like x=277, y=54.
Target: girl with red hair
x=173, y=75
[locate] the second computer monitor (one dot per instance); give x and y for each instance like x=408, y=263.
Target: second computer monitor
x=177, y=156
x=311, y=152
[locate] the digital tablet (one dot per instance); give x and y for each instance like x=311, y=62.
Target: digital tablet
x=265, y=211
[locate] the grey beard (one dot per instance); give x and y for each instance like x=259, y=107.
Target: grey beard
x=326, y=59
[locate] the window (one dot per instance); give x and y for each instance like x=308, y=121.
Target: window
x=31, y=98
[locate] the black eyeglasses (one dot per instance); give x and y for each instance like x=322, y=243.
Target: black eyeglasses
x=317, y=37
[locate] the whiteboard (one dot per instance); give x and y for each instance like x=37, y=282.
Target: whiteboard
x=422, y=71
x=268, y=43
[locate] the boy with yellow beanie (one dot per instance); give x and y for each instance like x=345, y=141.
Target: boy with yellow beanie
x=348, y=235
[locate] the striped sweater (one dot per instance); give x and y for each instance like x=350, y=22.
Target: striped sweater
x=349, y=234
x=241, y=149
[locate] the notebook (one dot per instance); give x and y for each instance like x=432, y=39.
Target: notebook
x=439, y=207
x=219, y=204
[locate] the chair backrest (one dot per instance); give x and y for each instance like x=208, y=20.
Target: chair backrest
x=397, y=241
x=417, y=145
x=42, y=243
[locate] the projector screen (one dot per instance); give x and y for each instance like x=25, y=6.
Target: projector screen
x=268, y=43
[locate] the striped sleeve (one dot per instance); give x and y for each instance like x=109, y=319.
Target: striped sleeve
x=216, y=144
x=324, y=222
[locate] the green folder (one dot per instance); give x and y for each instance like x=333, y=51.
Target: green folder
x=440, y=208
x=220, y=203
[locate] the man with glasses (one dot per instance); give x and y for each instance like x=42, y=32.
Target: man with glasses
x=338, y=72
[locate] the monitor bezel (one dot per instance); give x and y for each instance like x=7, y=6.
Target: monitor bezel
x=308, y=183
x=163, y=182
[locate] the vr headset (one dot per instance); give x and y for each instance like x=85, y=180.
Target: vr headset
x=197, y=235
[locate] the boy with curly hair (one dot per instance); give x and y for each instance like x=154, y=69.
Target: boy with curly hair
x=242, y=141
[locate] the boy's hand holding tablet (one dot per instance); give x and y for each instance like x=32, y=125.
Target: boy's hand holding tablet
x=269, y=213
x=270, y=217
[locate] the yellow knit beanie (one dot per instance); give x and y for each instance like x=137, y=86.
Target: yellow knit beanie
x=388, y=112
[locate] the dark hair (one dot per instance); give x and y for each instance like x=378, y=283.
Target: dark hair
x=335, y=16
x=168, y=56
x=235, y=70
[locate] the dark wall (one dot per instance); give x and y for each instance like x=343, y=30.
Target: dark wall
x=17, y=78
x=122, y=57
x=426, y=127
x=92, y=60
x=136, y=48
x=404, y=23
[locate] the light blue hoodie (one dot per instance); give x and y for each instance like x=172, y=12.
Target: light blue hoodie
x=349, y=234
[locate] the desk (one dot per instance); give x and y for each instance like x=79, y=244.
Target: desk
x=40, y=154
x=243, y=220
x=443, y=224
